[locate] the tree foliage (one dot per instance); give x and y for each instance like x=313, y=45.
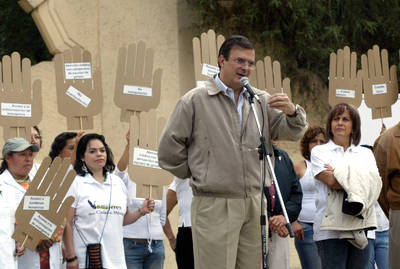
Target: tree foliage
x=18, y=32
x=302, y=33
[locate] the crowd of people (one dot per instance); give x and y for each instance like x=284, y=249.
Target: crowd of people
x=210, y=144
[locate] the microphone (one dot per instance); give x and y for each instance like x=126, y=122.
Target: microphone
x=244, y=81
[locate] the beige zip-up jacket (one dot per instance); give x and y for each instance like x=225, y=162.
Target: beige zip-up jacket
x=203, y=139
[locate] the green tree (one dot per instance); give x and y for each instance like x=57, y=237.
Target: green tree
x=302, y=33
x=18, y=32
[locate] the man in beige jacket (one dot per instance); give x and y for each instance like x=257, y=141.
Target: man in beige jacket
x=212, y=138
x=387, y=155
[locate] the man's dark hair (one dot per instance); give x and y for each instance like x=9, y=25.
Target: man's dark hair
x=59, y=143
x=234, y=41
x=80, y=153
x=338, y=110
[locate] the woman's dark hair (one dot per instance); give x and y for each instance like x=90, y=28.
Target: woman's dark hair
x=59, y=143
x=339, y=109
x=80, y=153
x=40, y=134
x=308, y=136
x=234, y=41
x=4, y=164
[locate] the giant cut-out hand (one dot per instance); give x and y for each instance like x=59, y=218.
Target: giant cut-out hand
x=269, y=78
x=137, y=88
x=20, y=101
x=380, y=84
x=205, y=51
x=145, y=130
x=345, y=85
x=78, y=99
x=35, y=225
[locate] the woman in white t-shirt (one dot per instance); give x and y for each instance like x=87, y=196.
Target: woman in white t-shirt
x=93, y=233
x=143, y=240
x=343, y=129
x=303, y=227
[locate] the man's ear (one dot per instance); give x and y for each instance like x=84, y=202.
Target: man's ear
x=221, y=60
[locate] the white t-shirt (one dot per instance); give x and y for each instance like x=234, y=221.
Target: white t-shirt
x=92, y=201
x=7, y=220
x=332, y=154
x=184, y=196
x=307, y=182
x=143, y=228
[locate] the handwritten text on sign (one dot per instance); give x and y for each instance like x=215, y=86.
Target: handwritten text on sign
x=36, y=202
x=42, y=224
x=78, y=96
x=379, y=88
x=345, y=93
x=209, y=70
x=138, y=90
x=145, y=157
x=16, y=110
x=78, y=71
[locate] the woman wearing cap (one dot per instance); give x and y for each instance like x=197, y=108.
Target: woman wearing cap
x=18, y=158
x=14, y=180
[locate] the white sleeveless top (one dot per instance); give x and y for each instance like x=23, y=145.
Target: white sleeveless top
x=307, y=182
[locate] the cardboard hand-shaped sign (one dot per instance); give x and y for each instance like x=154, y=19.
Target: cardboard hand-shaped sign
x=345, y=85
x=380, y=84
x=43, y=207
x=137, y=88
x=79, y=91
x=20, y=101
x=205, y=55
x=145, y=130
x=268, y=77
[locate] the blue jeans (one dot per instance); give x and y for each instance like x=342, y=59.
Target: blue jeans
x=138, y=256
x=307, y=248
x=340, y=254
x=380, y=251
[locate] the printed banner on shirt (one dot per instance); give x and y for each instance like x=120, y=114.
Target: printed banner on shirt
x=145, y=157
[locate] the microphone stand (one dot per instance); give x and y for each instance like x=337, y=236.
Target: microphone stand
x=264, y=154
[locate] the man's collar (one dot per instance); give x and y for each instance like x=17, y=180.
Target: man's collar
x=221, y=87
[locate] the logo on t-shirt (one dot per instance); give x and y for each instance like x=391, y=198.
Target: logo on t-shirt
x=104, y=209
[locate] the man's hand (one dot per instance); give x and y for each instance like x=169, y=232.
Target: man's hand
x=298, y=230
x=282, y=102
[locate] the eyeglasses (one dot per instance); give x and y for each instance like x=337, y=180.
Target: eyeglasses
x=242, y=62
x=36, y=137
